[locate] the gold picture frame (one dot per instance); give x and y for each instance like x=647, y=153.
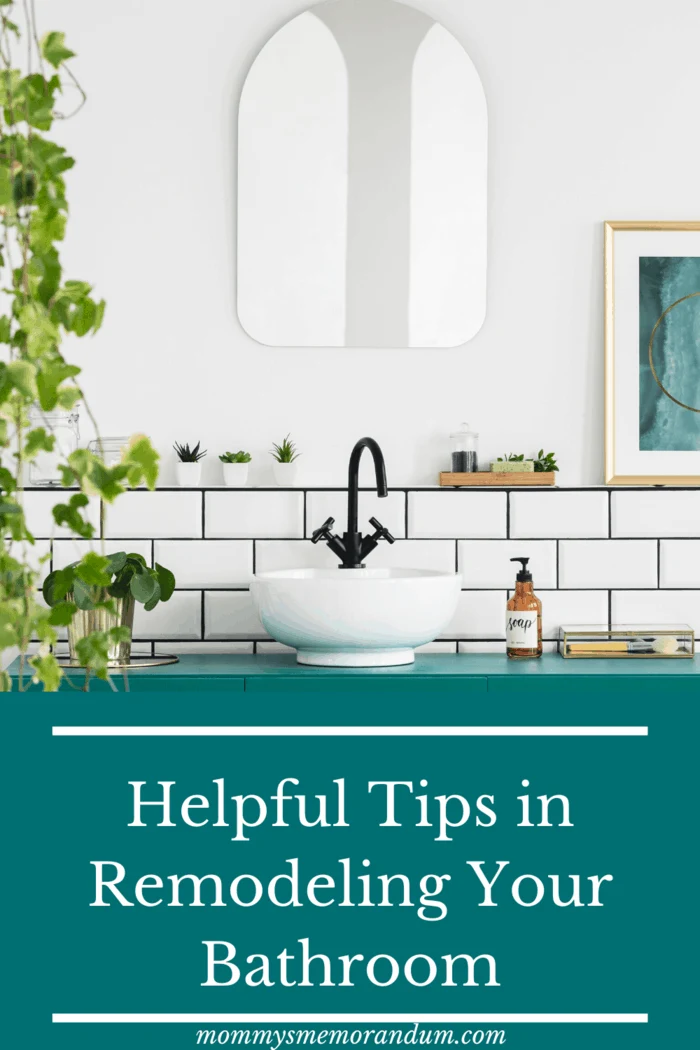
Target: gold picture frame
x=612, y=477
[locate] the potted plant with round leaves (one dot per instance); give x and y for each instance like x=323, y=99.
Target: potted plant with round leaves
x=235, y=467
x=189, y=466
x=285, y=466
x=95, y=599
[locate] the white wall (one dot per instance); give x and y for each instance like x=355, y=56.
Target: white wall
x=591, y=110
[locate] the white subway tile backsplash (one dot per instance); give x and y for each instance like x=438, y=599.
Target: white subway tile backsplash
x=656, y=513
x=456, y=514
x=179, y=618
x=38, y=512
x=155, y=514
x=249, y=514
x=648, y=571
x=390, y=510
x=204, y=648
x=480, y=614
x=33, y=553
x=657, y=607
x=481, y=647
x=680, y=563
x=231, y=614
x=67, y=551
x=274, y=555
x=571, y=607
x=608, y=563
x=438, y=647
x=486, y=563
x=273, y=647
x=558, y=514
x=207, y=563
x=498, y=647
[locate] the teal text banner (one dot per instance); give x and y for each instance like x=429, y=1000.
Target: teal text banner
x=520, y=870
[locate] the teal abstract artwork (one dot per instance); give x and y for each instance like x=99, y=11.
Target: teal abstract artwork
x=669, y=378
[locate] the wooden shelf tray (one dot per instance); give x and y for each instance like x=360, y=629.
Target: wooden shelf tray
x=481, y=478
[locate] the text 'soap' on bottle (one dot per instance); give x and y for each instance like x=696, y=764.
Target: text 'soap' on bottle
x=523, y=618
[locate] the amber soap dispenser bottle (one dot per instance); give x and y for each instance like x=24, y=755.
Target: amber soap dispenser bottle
x=523, y=618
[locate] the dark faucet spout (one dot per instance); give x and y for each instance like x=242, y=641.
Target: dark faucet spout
x=353, y=477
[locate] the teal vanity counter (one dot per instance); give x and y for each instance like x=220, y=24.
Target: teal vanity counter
x=474, y=685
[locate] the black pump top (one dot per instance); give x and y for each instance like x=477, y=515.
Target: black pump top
x=523, y=576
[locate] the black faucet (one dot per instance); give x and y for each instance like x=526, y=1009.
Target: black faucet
x=353, y=547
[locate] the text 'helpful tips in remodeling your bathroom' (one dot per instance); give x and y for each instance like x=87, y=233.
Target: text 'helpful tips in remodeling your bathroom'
x=349, y=882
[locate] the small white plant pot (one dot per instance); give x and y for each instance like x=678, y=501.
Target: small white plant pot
x=285, y=474
x=235, y=475
x=188, y=474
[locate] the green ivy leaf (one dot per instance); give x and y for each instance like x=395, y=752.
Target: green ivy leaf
x=62, y=614
x=92, y=569
x=49, y=379
x=68, y=515
x=23, y=377
x=38, y=440
x=54, y=50
x=83, y=317
x=142, y=460
x=48, y=671
x=5, y=187
x=93, y=652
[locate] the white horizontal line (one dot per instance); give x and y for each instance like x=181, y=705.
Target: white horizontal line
x=350, y=731
x=351, y=1019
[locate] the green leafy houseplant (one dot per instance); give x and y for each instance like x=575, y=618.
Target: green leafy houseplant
x=189, y=455
x=286, y=452
x=236, y=457
x=41, y=309
x=83, y=584
x=543, y=463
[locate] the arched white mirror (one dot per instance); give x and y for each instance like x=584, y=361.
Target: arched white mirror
x=362, y=182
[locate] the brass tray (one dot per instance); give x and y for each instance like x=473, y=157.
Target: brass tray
x=138, y=662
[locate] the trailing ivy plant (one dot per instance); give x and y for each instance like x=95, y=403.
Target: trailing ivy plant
x=40, y=307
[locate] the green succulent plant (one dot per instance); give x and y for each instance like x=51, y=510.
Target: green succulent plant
x=286, y=452
x=236, y=457
x=189, y=455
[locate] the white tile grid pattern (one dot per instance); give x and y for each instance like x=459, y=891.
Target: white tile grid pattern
x=596, y=555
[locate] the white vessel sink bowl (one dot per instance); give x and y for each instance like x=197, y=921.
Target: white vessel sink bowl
x=355, y=617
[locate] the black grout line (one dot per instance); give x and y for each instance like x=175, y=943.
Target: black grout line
x=658, y=563
x=507, y=515
x=304, y=522
x=405, y=513
x=557, y=564
x=204, y=516
x=610, y=619
x=255, y=556
x=610, y=515
x=400, y=539
x=202, y=618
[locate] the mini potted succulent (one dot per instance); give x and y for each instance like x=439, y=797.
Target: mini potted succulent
x=95, y=599
x=284, y=466
x=235, y=465
x=189, y=467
